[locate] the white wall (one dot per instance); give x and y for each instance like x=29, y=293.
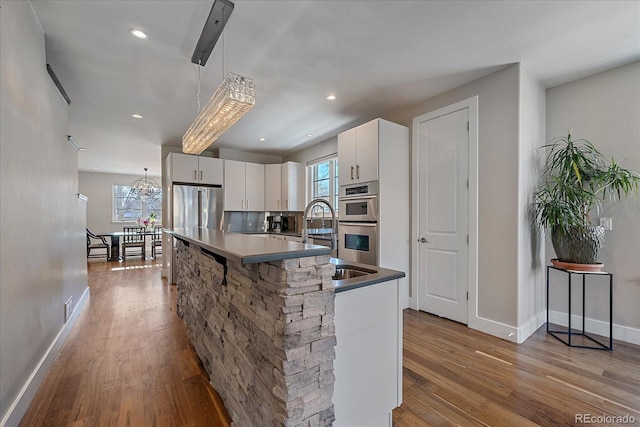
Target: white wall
x=42, y=235
x=498, y=193
x=98, y=187
x=531, y=262
x=605, y=109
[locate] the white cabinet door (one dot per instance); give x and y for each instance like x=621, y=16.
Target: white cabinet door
x=184, y=168
x=210, y=171
x=347, y=157
x=234, y=185
x=367, y=152
x=293, y=187
x=254, y=187
x=273, y=187
x=358, y=154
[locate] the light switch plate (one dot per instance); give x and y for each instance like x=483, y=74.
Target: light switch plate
x=606, y=223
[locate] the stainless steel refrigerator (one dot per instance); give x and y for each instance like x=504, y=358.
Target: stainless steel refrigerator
x=195, y=206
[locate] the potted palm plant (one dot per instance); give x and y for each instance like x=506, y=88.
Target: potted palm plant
x=578, y=179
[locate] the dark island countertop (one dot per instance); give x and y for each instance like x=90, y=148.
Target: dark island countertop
x=255, y=248
x=246, y=248
x=378, y=275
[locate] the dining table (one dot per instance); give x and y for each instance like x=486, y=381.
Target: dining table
x=114, y=236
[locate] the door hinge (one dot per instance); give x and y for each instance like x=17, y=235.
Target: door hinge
x=467, y=239
x=467, y=295
x=467, y=182
x=467, y=126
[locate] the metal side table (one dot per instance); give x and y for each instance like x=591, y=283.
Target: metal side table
x=569, y=333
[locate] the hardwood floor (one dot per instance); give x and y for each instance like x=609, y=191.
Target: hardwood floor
x=128, y=362
x=457, y=376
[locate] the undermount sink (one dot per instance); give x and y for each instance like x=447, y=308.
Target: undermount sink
x=344, y=272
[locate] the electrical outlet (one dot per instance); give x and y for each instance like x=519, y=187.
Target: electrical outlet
x=606, y=223
x=68, y=309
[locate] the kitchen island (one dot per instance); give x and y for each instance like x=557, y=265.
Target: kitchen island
x=261, y=314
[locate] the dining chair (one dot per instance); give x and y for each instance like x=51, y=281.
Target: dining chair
x=156, y=242
x=133, y=237
x=100, y=244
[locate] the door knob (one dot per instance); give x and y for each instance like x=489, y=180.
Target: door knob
x=423, y=240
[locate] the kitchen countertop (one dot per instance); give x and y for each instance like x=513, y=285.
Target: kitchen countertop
x=380, y=275
x=246, y=248
x=254, y=248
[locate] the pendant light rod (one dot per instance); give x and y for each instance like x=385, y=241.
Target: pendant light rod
x=218, y=17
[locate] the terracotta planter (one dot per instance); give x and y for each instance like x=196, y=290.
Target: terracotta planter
x=580, y=245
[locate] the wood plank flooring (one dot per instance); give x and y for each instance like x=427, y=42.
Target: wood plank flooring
x=457, y=376
x=128, y=362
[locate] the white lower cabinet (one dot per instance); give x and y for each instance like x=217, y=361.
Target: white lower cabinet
x=368, y=364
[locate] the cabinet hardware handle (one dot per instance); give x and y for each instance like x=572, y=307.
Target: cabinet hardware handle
x=247, y=204
x=195, y=174
x=286, y=203
x=358, y=172
x=352, y=172
x=242, y=204
x=278, y=204
x=200, y=175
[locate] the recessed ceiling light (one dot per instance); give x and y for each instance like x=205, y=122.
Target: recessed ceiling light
x=262, y=140
x=136, y=116
x=83, y=149
x=138, y=33
x=95, y=169
x=309, y=135
x=331, y=97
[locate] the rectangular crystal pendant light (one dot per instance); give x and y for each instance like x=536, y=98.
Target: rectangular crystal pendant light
x=234, y=97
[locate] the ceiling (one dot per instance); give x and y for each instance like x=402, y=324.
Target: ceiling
x=375, y=56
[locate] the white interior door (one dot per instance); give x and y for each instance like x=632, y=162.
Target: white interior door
x=443, y=214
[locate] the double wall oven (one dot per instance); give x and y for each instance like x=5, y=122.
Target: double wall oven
x=358, y=225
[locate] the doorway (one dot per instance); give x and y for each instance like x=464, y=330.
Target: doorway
x=445, y=211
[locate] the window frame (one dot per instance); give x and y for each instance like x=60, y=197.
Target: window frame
x=140, y=207
x=333, y=183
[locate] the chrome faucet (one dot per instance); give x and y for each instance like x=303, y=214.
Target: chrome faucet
x=305, y=227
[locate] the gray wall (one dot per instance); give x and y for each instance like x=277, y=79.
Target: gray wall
x=317, y=151
x=498, y=193
x=531, y=262
x=605, y=109
x=42, y=235
x=98, y=187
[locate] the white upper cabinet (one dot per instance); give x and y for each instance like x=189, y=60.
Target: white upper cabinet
x=273, y=187
x=358, y=154
x=254, y=187
x=244, y=186
x=210, y=171
x=293, y=187
x=190, y=169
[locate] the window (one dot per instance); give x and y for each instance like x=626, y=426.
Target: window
x=127, y=208
x=323, y=179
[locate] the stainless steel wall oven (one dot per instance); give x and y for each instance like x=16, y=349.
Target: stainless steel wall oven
x=358, y=225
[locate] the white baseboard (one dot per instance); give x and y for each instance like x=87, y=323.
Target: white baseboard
x=21, y=403
x=598, y=327
x=497, y=329
x=531, y=326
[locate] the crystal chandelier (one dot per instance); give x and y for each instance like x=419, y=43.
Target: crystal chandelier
x=145, y=189
x=234, y=97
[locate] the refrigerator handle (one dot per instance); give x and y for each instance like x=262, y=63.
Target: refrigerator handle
x=199, y=209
